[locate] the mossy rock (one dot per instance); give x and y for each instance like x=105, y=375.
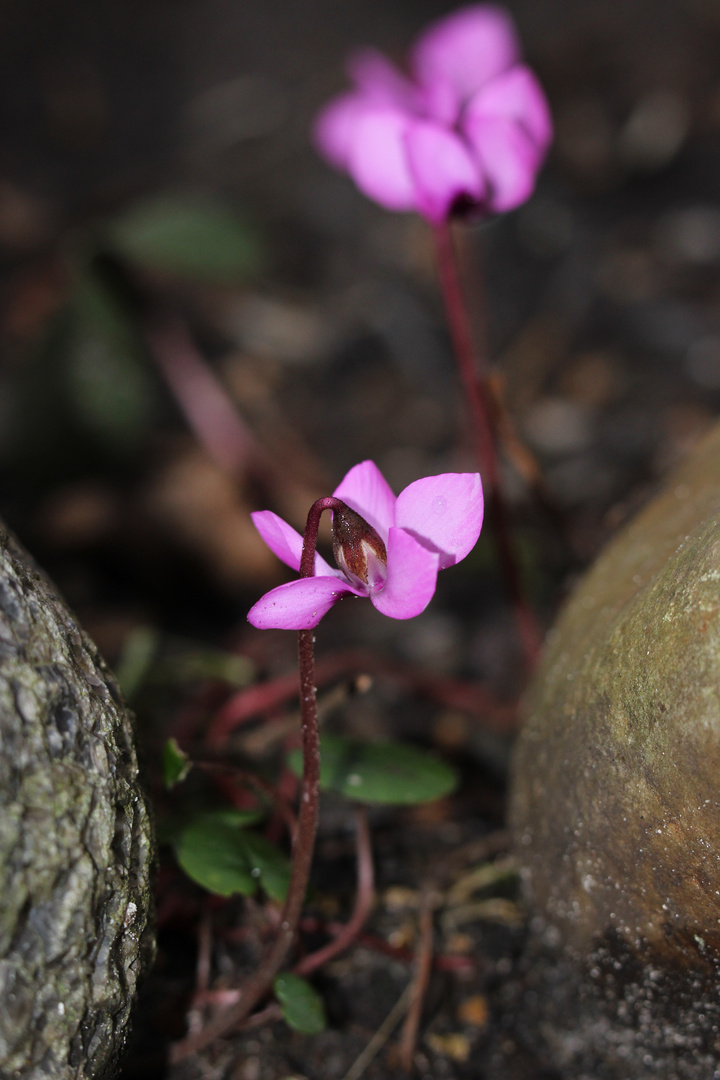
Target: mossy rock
x=75, y=841
x=615, y=801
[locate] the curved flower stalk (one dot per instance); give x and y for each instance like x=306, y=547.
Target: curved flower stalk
x=468, y=130
x=465, y=133
x=388, y=549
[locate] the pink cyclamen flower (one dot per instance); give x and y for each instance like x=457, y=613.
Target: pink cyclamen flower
x=432, y=524
x=470, y=128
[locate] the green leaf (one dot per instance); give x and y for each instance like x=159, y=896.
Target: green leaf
x=136, y=659
x=110, y=388
x=302, y=1007
x=391, y=773
x=175, y=763
x=217, y=852
x=269, y=864
x=187, y=237
x=186, y=662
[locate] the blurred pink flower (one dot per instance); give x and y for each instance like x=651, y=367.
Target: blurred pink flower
x=470, y=128
x=432, y=524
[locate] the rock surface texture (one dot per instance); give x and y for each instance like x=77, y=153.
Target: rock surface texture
x=75, y=841
x=616, y=799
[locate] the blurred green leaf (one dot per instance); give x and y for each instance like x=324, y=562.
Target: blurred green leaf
x=302, y=1007
x=390, y=773
x=186, y=662
x=216, y=851
x=136, y=658
x=175, y=763
x=145, y=659
x=109, y=382
x=188, y=237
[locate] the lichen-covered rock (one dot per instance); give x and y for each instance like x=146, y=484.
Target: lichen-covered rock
x=75, y=841
x=615, y=799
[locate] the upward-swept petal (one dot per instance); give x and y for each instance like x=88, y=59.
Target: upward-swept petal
x=367, y=492
x=297, y=605
x=444, y=513
x=466, y=49
x=515, y=95
x=508, y=158
x=286, y=542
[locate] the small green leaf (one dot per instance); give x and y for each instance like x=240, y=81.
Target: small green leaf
x=391, y=773
x=187, y=237
x=108, y=379
x=136, y=659
x=217, y=852
x=302, y=1007
x=186, y=662
x=175, y=764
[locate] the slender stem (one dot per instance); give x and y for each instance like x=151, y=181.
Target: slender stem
x=207, y=407
x=420, y=983
x=474, y=385
x=381, y=1036
x=304, y=840
x=468, y=365
x=363, y=902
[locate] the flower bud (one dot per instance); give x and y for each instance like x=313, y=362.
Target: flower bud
x=359, y=551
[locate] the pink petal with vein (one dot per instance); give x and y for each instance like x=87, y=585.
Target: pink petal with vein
x=508, y=158
x=516, y=95
x=377, y=159
x=297, y=605
x=411, y=580
x=467, y=49
x=444, y=513
x=366, y=491
x=442, y=168
x=286, y=542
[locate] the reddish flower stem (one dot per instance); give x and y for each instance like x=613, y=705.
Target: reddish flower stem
x=205, y=403
x=363, y=902
x=304, y=841
x=474, y=386
x=421, y=981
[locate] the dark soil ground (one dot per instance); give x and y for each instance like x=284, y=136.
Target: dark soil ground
x=602, y=302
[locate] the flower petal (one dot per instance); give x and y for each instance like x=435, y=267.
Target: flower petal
x=377, y=158
x=411, y=580
x=444, y=513
x=442, y=167
x=380, y=81
x=297, y=605
x=367, y=492
x=336, y=125
x=516, y=95
x=286, y=542
x=466, y=49
x=508, y=158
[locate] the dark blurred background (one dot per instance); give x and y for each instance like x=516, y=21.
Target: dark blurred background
x=602, y=297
